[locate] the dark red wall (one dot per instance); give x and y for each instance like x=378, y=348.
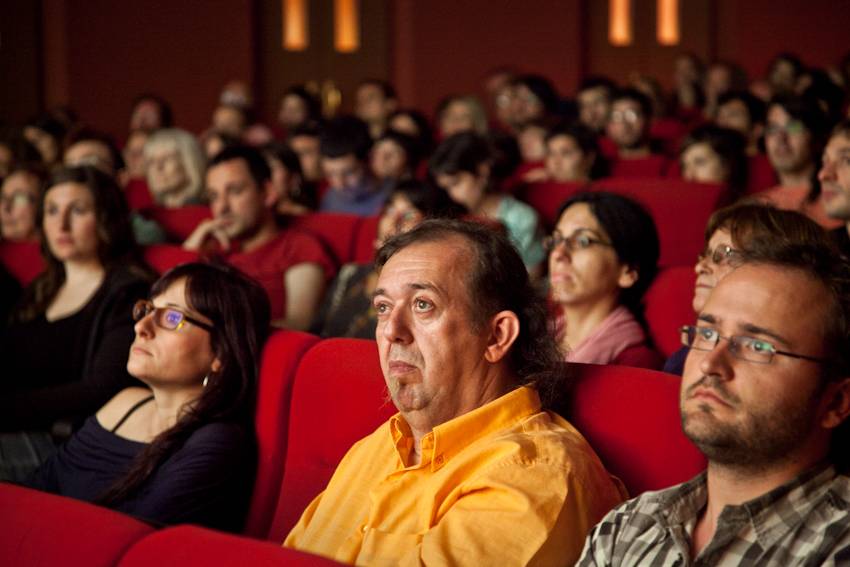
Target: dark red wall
x=182, y=49
x=446, y=46
x=99, y=54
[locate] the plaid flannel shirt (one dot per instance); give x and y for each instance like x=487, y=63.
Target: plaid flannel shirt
x=804, y=522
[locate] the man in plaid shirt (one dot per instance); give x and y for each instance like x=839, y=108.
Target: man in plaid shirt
x=765, y=396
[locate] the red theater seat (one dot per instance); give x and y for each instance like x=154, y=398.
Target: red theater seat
x=338, y=398
x=281, y=356
x=163, y=257
x=138, y=195
x=364, y=244
x=22, y=260
x=668, y=306
x=180, y=222
x=761, y=175
x=680, y=209
x=43, y=529
x=547, y=197
x=630, y=416
x=650, y=166
x=185, y=546
x=337, y=231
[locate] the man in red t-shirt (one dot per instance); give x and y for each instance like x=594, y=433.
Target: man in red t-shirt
x=290, y=264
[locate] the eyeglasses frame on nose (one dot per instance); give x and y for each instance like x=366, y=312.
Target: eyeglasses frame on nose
x=143, y=307
x=572, y=242
x=722, y=254
x=739, y=346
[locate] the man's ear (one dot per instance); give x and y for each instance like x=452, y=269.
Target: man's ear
x=836, y=398
x=504, y=329
x=270, y=196
x=628, y=277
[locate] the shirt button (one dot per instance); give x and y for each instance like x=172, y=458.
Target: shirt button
x=439, y=460
x=364, y=528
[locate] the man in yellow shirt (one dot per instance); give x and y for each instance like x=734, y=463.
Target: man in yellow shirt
x=472, y=470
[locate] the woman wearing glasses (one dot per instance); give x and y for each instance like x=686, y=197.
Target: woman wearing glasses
x=181, y=449
x=603, y=255
x=64, y=351
x=730, y=234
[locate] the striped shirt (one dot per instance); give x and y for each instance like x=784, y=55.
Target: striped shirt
x=804, y=522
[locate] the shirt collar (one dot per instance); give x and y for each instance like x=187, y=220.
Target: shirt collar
x=450, y=438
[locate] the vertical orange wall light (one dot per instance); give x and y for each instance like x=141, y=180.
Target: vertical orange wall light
x=346, y=25
x=296, y=34
x=667, y=22
x=620, y=22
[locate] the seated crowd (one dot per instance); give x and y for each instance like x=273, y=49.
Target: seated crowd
x=137, y=391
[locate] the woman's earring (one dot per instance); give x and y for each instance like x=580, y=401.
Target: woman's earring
x=206, y=381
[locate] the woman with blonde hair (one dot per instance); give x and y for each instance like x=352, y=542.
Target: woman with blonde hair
x=174, y=166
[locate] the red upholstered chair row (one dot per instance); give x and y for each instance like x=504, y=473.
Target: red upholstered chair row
x=668, y=306
x=318, y=397
x=680, y=208
x=22, y=260
x=650, y=166
x=44, y=530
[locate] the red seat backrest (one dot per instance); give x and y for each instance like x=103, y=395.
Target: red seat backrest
x=45, y=529
x=138, y=194
x=364, y=245
x=338, y=398
x=630, y=416
x=547, y=197
x=337, y=231
x=185, y=546
x=22, y=260
x=649, y=166
x=281, y=355
x=761, y=175
x=680, y=209
x=668, y=303
x=163, y=257
x=178, y=223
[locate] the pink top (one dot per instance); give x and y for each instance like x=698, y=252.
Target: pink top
x=617, y=333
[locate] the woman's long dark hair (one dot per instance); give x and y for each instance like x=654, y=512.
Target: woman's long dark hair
x=116, y=245
x=239, y=310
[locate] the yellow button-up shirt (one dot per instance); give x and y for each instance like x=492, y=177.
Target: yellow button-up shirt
x=505, y=484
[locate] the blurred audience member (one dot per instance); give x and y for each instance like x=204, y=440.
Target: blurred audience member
x=463, y=113
x=783, y=73
x=744, y=112
x=374, y=101
x=594, y=98
x=291, y=265
x=16, y=150
x=89, y=147
x=345, y=145
x=834, y=176
x=394, y=157
x=150, y=112
x=47, y=135
x=603, y=256
x=65, y=351
x=711, y=154
x=134, y=154
x=298, y=106
x=463, y=166
x=295, y=196
x=572, y=155
x=305, y=141
x=20, y=195
x=230, y=119
x=175, y=168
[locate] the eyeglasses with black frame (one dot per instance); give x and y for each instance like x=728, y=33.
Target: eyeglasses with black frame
x=579, y=240
x=169, y=318
x=742, y=347
x=722, y=254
